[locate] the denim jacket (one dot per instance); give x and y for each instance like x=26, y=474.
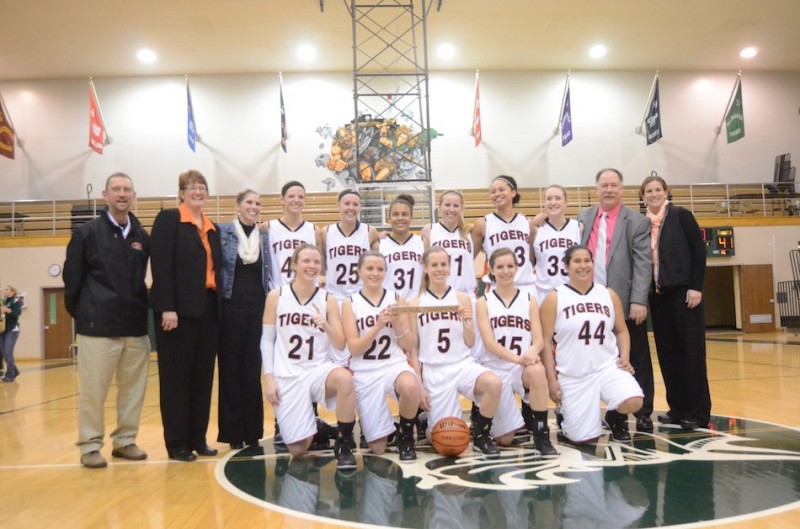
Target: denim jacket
x=230, y=246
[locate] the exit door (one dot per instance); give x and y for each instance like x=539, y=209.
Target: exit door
x=757, y=298
x=57, y=325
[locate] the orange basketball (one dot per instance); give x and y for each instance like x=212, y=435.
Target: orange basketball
x=450, y=436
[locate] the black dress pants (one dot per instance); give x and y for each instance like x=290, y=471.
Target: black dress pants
x=642, y=364
x=186, y=374
x=680, y=334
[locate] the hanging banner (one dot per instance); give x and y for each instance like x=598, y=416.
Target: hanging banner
x=652, y=122
x=97, y=131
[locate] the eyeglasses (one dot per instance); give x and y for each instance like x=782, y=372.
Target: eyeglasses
x=197, y=188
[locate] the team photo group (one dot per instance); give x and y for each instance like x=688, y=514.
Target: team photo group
x=348, y=318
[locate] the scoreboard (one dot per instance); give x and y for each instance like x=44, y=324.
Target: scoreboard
x=718, y=241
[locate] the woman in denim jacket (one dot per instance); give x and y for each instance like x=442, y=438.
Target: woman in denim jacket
x=245, y=283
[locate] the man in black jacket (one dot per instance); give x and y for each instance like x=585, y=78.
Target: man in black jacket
x=104, y=276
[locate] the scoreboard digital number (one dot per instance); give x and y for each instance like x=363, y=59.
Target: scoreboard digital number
x=718, y=241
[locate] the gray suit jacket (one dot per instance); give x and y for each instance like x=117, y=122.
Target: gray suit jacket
x=630, y=263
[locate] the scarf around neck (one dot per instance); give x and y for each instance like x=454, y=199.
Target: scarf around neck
x=655, y=224
x=249, y=246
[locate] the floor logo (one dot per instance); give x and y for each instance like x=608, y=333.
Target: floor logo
x=738, y=468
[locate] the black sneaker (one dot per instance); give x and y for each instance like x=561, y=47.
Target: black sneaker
x=541, y=441
x=343, y=451
x=485, y=445
x=362, y=442
x=619, y=428
x=405, y=446
x=328, y=430
x=277, y=441
x=422, y=426
x=644, y=424
x=559, y=417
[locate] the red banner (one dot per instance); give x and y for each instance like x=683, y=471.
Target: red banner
x=97, y=133
x=476, y=116
x=7, y=137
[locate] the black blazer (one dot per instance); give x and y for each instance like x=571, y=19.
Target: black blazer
x=178, y=263
x=681, y=250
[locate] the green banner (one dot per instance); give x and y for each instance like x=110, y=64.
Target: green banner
x=734, y=119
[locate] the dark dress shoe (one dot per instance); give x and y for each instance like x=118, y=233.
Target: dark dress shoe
x=667, y=419
x=237, y=446
x=182, y=454
x=644, y=424
x=688, y=424
x=206, y=451
x=252, y=442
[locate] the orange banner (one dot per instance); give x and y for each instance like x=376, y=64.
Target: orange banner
x=97, y=133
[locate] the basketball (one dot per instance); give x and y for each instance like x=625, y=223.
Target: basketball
x=450, y=436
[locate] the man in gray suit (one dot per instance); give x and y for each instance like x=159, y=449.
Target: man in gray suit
x=629, y=272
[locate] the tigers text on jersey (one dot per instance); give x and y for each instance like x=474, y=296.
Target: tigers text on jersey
x=549, y=247
x=384, y=350
x=341, y=255
x=511, y=326
x=441, y=336
x=283, y=241
x=584, y=330
x=462, y=257
x=516, y=235
x=299, y=343
x=403, y=265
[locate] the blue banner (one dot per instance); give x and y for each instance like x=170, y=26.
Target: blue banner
x=192, y=128
x=652, y=122
x=566, y=120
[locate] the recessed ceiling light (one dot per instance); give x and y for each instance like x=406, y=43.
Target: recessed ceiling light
x=446, y=51
x=749, y=52
x=597, y=51
x=146, y=56
x=306, y=52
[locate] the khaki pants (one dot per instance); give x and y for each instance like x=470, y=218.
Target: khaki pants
x=99, y=359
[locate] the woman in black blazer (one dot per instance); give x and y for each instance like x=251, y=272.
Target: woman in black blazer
x=676, y=305
x=186, y=261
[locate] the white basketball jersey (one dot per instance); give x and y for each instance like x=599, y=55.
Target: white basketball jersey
x=403, y=265
x=515, y=235
x=462, y=257
x=548, y=248
x=584, y=330
x=384, y=350
x=441, y=336
x=511, y=326
x=283, y=241
x=299, y=344
x=342, y=253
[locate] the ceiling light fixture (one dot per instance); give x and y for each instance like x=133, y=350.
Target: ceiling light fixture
x=146, y=56
x=306, y=52
x=597, y=51
x=446, y=51
x=749, y=52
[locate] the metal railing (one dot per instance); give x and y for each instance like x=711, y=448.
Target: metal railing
x=32, y=218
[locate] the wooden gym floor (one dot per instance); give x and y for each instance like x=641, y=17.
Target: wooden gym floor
x=42, y=484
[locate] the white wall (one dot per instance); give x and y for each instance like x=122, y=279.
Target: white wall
x=238, y=118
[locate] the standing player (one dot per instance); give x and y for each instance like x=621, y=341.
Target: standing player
x=403, y=250
x=442, y=340
x=505, y=228
x=552, y=239
x=508, y=320
x=588, y=324
x=377, y=338
x=452, y=234
x=301, y=326
x=288, y=232
x=345, y=241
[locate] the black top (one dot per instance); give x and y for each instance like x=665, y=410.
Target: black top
x=681, y=251
x=104, y=279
